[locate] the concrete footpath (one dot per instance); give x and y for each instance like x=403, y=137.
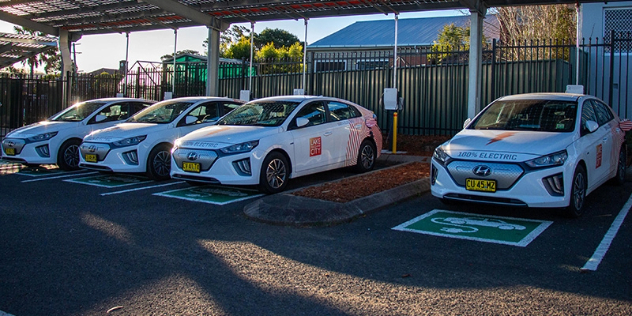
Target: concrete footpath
x=287, y=209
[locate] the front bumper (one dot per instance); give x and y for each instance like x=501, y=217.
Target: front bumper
x=108, y=158
x=530, y=188
x=238, y=169
x=25, y=152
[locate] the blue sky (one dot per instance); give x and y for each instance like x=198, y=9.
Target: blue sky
x=105, y=51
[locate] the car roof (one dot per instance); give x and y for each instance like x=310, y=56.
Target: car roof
x=200, y=98
x=545, y=96
x=115, y=100
x=296, y=98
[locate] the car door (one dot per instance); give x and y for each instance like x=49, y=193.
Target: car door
x=206, y=114
x=344, y=145
x=611, y=129
x=592, y=145
x=312, y=143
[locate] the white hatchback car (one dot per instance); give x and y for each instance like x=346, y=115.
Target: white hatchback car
x=535, y=150
x=143, y=143
x=56, y=140
x=268, y=141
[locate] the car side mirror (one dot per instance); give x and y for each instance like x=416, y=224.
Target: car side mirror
x=190, y=120
x=301, y=121
x=100, y=118
x=591, y=126
x=467, y=122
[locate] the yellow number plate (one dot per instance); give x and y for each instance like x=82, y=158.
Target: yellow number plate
x=9, y=151
x=480, y=185
x=191, y=167
x=91, y=158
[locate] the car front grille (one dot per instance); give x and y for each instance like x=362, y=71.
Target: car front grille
x=505, y=174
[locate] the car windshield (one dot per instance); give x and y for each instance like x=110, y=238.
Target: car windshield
x=162, y=113
x=528, y=115
x=271, y=113
x=77, y=112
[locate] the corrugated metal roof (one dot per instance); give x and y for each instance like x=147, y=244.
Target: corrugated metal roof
x=410, y=32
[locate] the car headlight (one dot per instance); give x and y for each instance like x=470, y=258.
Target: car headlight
x=129, y=141
x=441, y=156
x=240, y=148
x=554, y=159
x=41, y=137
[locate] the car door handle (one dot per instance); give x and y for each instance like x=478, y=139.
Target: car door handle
x=327, y=133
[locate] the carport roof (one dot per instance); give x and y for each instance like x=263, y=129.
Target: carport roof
x=110, y=16
x=16, y=47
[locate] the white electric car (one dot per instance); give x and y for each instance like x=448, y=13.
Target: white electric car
x=56, y=140
x=268, y=141
x=535, y=150
x=143, y=143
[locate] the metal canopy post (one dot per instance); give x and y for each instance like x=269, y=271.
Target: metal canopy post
x=212, y=81
x=66, y=64
x=395, y=54
x=126, y=62
x=305, y=59
x=578, y=37
x=175, y=43
x=252, y=36
x=475, y=63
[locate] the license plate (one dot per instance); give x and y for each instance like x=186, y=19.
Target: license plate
x=91, y=158
x=191, y=167
x=480, y=185
x=9, y=151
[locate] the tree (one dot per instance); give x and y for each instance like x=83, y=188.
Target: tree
x=537, y=22
x=238, y=50
x=451, y=39
x=278, y=37
x=51, y=58
x=180, y=52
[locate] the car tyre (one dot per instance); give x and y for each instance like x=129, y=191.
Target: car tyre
x=274, y=173
x=578, y=193
x=159, y=162
x=366, y=156
x=68, y=155
x=619, y=179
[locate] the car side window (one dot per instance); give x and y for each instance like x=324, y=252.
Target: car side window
x=588, y=114
x=314, y=112
x=112, y=113
x=229, y=106
x=339, y=111
x=206, y=112
x=136, y=107
x=603, y=113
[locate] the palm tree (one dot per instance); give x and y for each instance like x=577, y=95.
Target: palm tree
x=49, y=58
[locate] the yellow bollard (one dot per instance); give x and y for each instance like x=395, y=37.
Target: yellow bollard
x=394, y=132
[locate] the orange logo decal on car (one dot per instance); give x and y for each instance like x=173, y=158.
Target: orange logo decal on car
x=314, y=146
x=500, y=137
x=599, y=154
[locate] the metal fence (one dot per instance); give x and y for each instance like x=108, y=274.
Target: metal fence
x=433, y=83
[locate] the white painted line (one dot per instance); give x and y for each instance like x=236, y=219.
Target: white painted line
x=38, y=175
x=76, y=180
x=600, y=252
x=192, y=199
x=58, y=177
x=142, y=188
x=5, y=314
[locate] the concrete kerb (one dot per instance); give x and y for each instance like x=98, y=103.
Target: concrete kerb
x=287, y=209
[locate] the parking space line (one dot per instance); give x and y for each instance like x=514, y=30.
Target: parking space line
x=600, y=252
x=58, y=177
x=48, y=172
x=142, y=188
x=212, y=194
x=5, y=314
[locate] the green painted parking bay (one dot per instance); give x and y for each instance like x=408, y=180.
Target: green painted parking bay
x=212, y=194
x=111, y=180
x=486, y=228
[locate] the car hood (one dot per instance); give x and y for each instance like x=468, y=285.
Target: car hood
x=219, y=136
x=505, y=145
x=125, y=130
x=40, y=128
